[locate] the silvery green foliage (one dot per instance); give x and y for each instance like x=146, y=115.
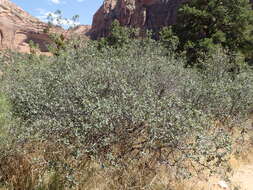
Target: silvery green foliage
x=5, y=120
x=90, y=99
x=222, y=92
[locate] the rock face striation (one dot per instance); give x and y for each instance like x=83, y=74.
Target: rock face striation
x=143, y=14
x=18, y=28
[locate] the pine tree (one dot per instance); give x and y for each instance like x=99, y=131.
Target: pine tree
x=202, y=25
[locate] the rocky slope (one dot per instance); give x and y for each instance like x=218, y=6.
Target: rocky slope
x=144, y=14
x=17, y=28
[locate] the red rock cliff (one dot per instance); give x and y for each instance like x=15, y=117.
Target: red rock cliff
x=17, y=28
x=144, y=14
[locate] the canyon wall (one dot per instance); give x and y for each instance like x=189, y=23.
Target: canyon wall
x=144, y=14
x=17, y=28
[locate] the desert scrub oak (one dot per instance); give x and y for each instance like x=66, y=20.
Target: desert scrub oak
x=6, y=122
x=91, y=100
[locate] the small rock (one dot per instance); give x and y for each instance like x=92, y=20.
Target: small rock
x=223, y=185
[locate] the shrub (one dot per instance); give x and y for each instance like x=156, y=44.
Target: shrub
x=5, y=119
x=33, y=47
x=219, y=88
x=134, y=97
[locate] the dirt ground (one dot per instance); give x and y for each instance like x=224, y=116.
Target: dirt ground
x=243, y=175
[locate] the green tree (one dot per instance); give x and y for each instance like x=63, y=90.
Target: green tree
x=206, y=24
x=57, y=19
x=118, y=36
x=59, y=43
x=168, y=38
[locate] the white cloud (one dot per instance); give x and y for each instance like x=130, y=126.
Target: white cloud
x=80, y=1
x=55, y=18
x=55, y=1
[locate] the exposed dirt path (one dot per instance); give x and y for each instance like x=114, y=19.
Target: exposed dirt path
x=243, y=175
x=241, y=178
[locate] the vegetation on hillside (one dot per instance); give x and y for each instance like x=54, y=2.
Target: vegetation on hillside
x=120, y=109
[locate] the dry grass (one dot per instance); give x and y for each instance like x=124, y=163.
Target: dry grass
x=28, y=171
x=45, y=166
x=17, y=172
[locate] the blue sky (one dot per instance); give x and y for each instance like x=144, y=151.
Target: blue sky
x=40, y=8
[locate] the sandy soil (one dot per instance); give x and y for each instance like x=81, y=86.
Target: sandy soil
x=243, y=175
x=240, y=179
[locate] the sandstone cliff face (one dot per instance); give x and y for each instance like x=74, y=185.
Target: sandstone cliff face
x=17, y=28
x=144, y=14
